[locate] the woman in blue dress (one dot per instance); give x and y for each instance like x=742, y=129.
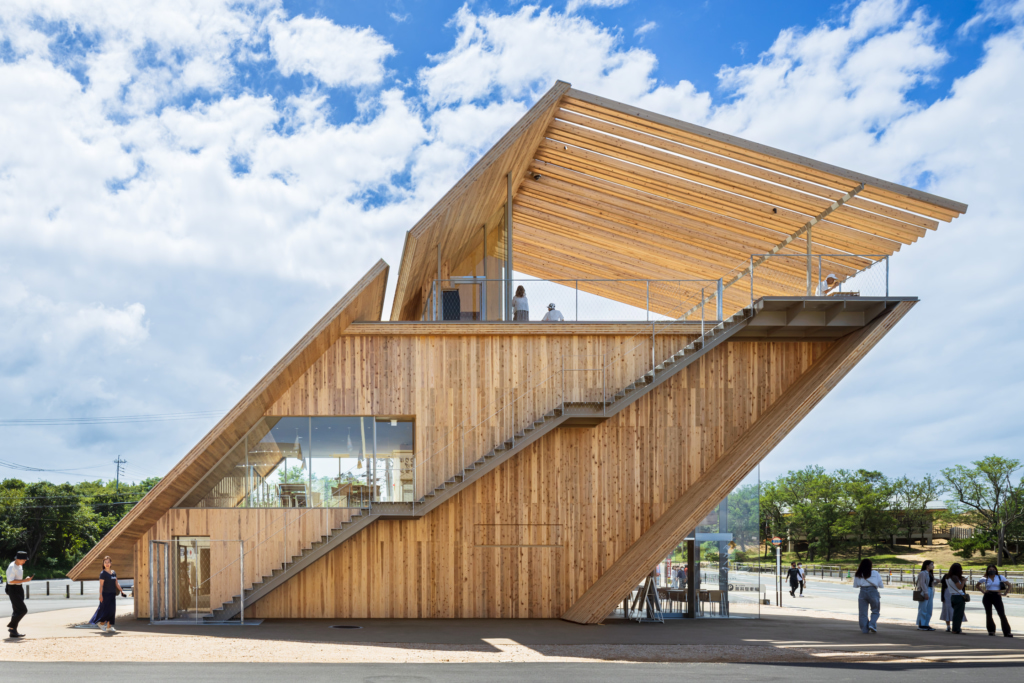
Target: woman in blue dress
x=109, y=589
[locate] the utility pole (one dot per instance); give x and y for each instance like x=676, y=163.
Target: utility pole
x=119, y=462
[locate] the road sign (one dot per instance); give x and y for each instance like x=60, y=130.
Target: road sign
x=776, y=541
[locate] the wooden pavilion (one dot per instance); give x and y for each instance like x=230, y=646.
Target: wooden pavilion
x=454, y=462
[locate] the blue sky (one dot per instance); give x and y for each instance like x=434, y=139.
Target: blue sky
x=185, y=190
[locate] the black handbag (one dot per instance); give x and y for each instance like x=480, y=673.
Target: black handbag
x=920, y=596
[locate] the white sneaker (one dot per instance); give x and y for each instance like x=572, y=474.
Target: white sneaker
x=112, y=629
x=103, y=628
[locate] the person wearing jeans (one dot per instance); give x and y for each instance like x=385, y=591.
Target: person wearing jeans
x=925, y=583
x=869, y=581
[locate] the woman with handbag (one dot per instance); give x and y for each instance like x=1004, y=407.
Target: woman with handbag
x=953, y=583
x=993, y=587
x=924, y=594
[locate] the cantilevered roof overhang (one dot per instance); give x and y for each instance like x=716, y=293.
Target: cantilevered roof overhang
x=606, y=190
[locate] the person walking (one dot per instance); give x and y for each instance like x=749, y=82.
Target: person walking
x=803, y=577
x=520, y=305
x=793, y=575
x=15, y=591
x=109, y=590
x=925, y=584
x=869, y=581
x=993, y=586
x=953, y=583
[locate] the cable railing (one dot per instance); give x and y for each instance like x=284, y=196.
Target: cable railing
x=834, y=275
x=583, y=300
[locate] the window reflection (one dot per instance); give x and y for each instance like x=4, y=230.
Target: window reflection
x=313, y=462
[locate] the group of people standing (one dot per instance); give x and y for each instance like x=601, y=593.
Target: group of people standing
x=953, y=595
x=15, y=589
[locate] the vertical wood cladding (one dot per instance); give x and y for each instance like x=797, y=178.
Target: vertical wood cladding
x=568, y=506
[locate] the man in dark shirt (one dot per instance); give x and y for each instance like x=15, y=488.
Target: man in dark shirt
x=794, y=578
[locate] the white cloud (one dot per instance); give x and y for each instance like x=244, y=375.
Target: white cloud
x=645, y=28
x=174, y=230
x=574, y=5
x=400, y=18
x=520, y=55
x=336, y=55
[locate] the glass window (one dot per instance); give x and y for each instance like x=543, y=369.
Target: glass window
x=313, y=462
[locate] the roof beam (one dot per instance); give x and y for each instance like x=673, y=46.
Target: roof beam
x=759, y=151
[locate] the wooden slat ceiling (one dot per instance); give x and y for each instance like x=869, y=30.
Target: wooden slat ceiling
x=455, y=221
x=617, y=192
x=625, y=193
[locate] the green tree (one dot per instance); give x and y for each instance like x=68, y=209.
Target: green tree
x=912, y=498
x=986, y=496
x=743, y=515
x=771, y=511
x=819, y=507
x=870, y=497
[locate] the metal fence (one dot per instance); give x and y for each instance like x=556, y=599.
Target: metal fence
x=477, y=299
x=820, y=275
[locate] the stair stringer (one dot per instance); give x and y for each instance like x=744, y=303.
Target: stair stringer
x=598, y=601
x=491, y=461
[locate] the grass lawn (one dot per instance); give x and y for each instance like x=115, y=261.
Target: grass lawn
x=898, y=556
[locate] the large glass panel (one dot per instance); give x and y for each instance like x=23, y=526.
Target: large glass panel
x=726, y=564
x=320, y=462
x=393, y=461
x=341, y=459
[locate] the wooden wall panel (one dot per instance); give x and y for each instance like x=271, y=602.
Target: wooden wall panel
x=270, y=536
x=600, y=487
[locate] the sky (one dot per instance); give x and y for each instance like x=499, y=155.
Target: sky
x=187, y=186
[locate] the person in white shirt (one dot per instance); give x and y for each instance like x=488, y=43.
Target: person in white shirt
x=992, y=588
x=14, y=590
x=869, y=581
x=553, y=315
x=826, y=286
x=953, y=583
x=803, y=577
x=520, y=306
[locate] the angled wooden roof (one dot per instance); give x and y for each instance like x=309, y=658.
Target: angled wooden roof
x=614, y=191
x=364, y=302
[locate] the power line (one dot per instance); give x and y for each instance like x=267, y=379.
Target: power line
x=26, y=468
x=114, y=419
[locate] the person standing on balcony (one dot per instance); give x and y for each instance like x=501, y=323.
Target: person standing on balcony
x=553, y=315
x=826, y=286
x=14, y=590
x=993, y=587
x=520, y=305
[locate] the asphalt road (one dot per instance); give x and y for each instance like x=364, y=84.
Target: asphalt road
x=496, y=673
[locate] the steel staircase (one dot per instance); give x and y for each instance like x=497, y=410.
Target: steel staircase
x=567, y=414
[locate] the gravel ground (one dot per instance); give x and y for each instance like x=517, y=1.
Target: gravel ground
x=52, y=638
